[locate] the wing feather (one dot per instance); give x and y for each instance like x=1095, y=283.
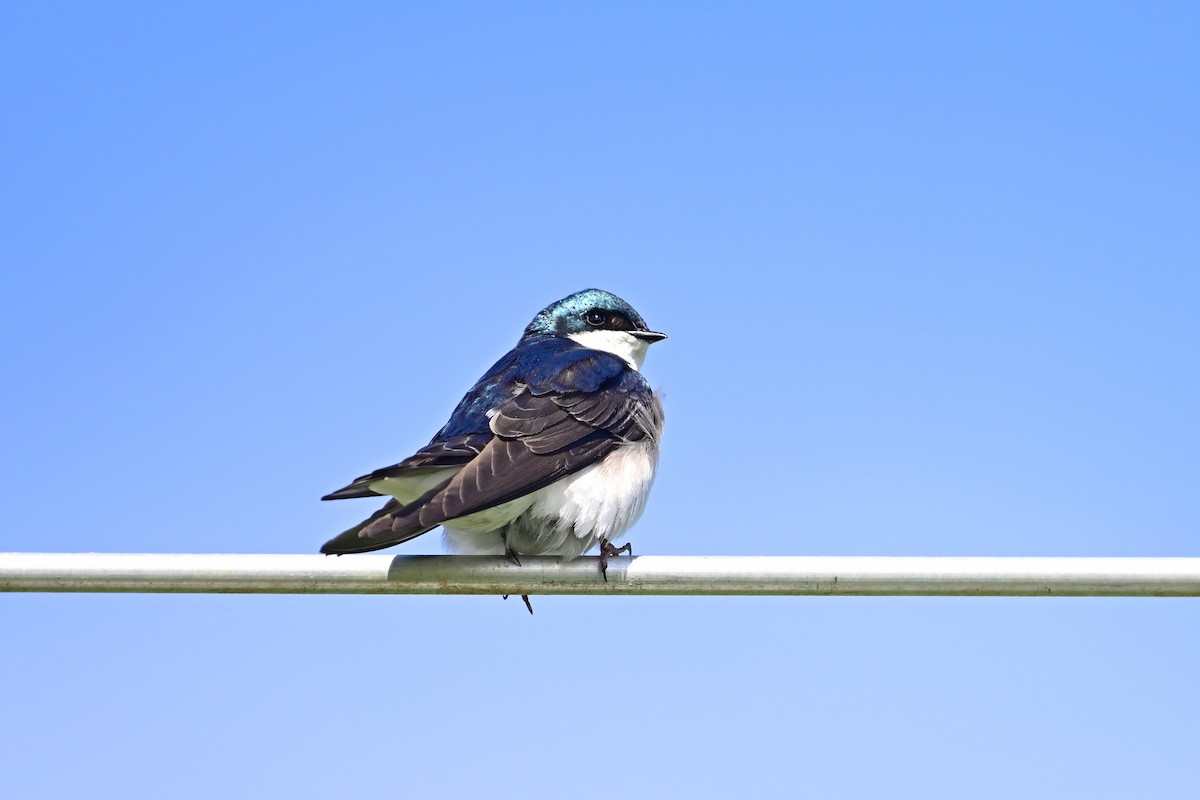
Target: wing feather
x=438, y=455
x=539, y=437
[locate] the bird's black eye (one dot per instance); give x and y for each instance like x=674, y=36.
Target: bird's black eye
x=595, y=318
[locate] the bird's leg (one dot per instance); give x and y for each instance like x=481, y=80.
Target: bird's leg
x=608, y=550
x=511, y=555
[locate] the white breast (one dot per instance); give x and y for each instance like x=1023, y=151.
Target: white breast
x=569, y=517
x=601, y=501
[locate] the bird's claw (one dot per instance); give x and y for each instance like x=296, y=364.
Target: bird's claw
x=524, y=597
x=511, y=555
x=607, y=551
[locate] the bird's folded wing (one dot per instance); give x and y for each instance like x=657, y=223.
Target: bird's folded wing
x=438, y=456
x=539, y=438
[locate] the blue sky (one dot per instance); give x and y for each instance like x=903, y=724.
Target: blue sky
x=930, y=274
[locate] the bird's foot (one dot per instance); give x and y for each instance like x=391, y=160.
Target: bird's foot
x=607, y=551
x=524, y=597
x=511, y=555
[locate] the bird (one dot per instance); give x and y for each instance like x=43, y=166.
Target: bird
x=552, y=452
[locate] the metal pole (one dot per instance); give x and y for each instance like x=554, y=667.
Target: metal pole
x=642, y=575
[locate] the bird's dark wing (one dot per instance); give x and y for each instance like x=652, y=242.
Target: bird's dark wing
x=438, y=455
x=467, y=432
x=540, y=435
x=540, y=439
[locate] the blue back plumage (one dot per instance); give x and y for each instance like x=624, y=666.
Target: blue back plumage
x=545, y=364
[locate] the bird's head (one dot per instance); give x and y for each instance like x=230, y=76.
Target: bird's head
x=600, y=320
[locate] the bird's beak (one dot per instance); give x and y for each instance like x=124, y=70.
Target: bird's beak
x=649, y=337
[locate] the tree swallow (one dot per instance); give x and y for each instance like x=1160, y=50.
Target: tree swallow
x=551, y=452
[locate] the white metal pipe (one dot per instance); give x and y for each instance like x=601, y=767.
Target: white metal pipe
x=642, y=575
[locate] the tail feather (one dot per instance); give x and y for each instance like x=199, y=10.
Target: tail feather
x=384, y=528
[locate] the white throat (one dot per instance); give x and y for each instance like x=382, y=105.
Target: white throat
x=620, y=343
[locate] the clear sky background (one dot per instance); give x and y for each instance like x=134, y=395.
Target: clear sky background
x=931, y=276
